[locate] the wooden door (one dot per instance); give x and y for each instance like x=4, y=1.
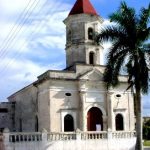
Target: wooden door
x=94, y=119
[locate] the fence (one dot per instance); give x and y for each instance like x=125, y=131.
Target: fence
x=72, y=140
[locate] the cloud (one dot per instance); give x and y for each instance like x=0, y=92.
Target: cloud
x=38, y=44
x=10, y=10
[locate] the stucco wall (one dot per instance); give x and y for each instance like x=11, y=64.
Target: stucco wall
x=25, y=109
x=6, y=115
x=61, y=103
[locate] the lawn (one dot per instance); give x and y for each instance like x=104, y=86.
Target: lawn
x=146, y=142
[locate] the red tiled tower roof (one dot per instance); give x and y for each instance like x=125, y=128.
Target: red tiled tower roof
x=83, y=7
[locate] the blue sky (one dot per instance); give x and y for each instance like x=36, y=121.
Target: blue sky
x=32, y=39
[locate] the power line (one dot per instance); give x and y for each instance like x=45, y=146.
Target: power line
x=31, y=37
x=13, y=27
x=17, y=28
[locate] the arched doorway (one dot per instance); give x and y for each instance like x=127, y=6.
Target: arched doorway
x=119, y=122
x=68, y=123
x=94, y=119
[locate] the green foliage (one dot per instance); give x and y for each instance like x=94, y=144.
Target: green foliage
x=146, y=143
x=128, y=35
x=146, y=130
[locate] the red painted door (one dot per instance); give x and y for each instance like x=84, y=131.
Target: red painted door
x=94, y=118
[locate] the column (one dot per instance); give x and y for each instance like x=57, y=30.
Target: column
x=6, y=139
x=105, y=123
x=97, y=57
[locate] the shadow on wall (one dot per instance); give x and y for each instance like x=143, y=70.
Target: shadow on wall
x=66, y=99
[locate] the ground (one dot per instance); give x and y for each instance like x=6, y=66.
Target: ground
x=147, y=143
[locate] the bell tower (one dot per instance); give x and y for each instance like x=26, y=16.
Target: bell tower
x=82, y=24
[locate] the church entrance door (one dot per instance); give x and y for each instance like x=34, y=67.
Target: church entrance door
x=94, y=119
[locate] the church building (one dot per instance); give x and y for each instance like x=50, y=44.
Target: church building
x=76, y=97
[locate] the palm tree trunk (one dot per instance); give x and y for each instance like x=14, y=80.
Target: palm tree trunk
x=139, y=144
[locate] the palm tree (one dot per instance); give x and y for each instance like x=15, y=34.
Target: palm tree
x=128, y=35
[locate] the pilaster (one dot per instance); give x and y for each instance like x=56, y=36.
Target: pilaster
x=110, y=111
x=82, y=97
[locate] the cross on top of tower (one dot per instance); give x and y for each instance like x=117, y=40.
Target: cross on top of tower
x=83, y=7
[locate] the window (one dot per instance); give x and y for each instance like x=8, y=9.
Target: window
x=119, y=122
x=3, y=110
x=68, y=94
x=20, y=125
x=36, y=124
x=90, y=33
x=91, y=58
x=68, y=123
x=69, y=35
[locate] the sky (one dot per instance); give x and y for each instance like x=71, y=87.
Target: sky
x=32, y=39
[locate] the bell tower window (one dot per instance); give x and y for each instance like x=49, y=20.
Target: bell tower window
x=69, y=35
x=91, y=58
x=36, y=124
x=90, y=33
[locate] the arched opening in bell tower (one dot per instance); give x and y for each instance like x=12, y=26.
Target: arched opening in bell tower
x=94, y=119
x=69, y=35
x=90, y=33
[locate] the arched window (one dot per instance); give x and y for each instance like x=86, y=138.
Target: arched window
x=90, y=33
x=91, y=58
x=69, y=35
x=20, y=124
x=68, y=123
x=119, y=122
x=36, y=124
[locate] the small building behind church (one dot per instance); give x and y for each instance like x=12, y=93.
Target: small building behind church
x=76, y=97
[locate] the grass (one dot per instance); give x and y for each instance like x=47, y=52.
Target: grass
x=146, y=142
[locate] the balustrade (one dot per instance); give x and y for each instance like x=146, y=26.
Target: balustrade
x=93, y=135
x=61, y=136
x=25, y=137
x=123, y=134
x=68, y=136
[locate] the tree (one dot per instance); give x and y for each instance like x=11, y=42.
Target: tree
x=146, y=130
x=128, y=35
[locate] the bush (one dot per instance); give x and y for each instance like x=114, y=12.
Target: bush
x=146, y=130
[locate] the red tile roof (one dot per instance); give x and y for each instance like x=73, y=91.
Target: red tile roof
x=83, y=6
